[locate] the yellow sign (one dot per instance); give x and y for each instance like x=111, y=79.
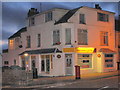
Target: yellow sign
x=84, y=50
x=68, y=49
x=79, y=50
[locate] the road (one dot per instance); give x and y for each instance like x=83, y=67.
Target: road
x=99, y=84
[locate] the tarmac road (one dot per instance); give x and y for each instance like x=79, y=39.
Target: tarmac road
x=99, y=84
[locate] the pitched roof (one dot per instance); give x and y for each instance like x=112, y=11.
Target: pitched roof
x=106, y=50
x=41, y=51
x=67, y=16
x=18, y=33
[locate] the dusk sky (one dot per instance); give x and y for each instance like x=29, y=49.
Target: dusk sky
x=14, y=13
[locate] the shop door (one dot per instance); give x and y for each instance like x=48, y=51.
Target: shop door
x=69, y=65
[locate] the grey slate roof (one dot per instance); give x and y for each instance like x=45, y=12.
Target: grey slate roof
x=67, y=16
x=18, y=33
x=42, y=51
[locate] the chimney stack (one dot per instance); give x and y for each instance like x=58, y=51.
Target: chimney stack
x=98, y=7
x=32, y=12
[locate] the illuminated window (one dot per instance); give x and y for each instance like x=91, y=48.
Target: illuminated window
x=104, y=38
x=48, y=16
x=56, y=37
x=82, y=37
x=82, y=19
x=68, y=36
x=85, y=60
x=103, y=17
x=11, y=44
x=28, y=42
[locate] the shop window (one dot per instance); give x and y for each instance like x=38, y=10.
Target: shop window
x=82, y=37
x=104, y=38
x=42, y=65
x=85, y=60
x=48, y=16
x=108, y=55
x=109, y=63
x=68, y=36
x=82, y=19
x=56, y=37
x=86, y=55
x=103, y=17
x=6, y=62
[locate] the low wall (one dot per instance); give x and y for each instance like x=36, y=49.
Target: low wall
x=16, y=77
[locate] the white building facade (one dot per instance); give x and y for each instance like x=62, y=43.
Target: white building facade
x=57, y=40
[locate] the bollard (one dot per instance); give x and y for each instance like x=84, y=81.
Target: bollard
x=77, y=72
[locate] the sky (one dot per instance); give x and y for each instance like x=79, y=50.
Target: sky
x=14, y=14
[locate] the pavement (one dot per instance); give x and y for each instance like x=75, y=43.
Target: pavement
x=64, y=79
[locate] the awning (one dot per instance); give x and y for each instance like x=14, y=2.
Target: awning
x=106, y=50
x=42, y=51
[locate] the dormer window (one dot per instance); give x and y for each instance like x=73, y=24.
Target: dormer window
x=48, y=16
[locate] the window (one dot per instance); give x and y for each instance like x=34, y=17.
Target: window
x=11, y=44
x=108, y=55
x=56, y=37
x=82, y=19
x=68, y=36
x=85, y=60
x=14, y=62
x=104, y=38
x=39, y=40
x=82, y=37
x=42, y=65
x=68, y=60
x=109, y=63
x=48, y=16
x=6, y=62
x=28, y=42
x=32, y=21
x=46, y=63
x=103, y=17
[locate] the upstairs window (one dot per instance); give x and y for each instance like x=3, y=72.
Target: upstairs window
x=11, y=44
x=6, y=62
x=48, y=16
x=82, y=19
x=82, y=37
x=32, y=21
x=103, y=17
x=28, y=39
x=39, y=40
x=68, y=36
x=56, y=37
x=104, y=38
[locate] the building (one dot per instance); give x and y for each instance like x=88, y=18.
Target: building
x=117, y=28
x=57, y=40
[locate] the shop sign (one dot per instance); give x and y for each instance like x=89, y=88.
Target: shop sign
x=84, y=50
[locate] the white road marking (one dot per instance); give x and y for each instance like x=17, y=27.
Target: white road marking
x=103, y=87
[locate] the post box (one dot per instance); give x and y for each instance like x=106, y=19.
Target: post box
x=77, y=72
